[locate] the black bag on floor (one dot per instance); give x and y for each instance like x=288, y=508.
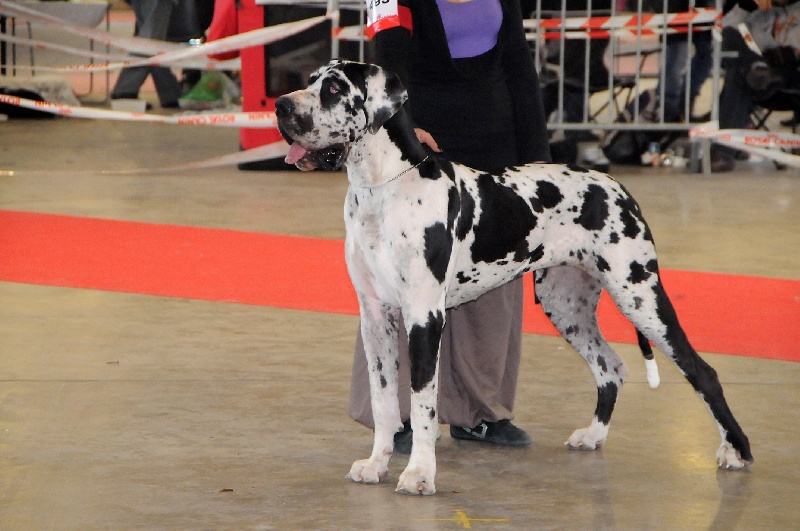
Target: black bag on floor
x=13, y=111
x=626, y=146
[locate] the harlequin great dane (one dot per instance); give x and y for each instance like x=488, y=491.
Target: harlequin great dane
x=425, y=234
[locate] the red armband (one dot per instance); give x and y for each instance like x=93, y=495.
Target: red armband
x=402, y=18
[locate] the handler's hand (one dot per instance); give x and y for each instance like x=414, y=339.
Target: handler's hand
x=425, y=137
x=763, y=4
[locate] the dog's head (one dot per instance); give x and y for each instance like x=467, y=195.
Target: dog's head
x=343, y=102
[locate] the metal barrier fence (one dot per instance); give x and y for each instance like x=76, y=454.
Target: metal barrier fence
x=638, y=50
x=634, y=48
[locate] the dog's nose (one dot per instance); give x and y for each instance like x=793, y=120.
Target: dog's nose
x=283, y=107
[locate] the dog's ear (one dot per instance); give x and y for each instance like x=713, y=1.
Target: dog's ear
x=385, y=95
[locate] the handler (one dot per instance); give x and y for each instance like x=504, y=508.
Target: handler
x=473, y=95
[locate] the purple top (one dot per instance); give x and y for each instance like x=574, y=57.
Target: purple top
x=471, y=27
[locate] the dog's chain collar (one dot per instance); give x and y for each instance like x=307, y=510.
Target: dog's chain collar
x=415, y=166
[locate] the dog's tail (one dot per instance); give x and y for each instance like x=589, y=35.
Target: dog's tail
x=649, y=360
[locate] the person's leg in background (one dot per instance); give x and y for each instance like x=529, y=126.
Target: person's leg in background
x=677, y=49
x=743, y=86
x=152, y=22
x=700, y=69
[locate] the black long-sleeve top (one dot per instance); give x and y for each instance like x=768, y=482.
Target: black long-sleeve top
x=491, y=95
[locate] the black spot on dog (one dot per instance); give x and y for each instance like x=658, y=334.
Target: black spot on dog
x=548, y=193
x=606, y=398
x=630, y=213
x=303, y=124
x=630, y=226
x=383, y=382
x=447, y=167
x=536, y=254
x=601, y=361
x=432, y=413
x=638, y=273
x=453, y=207
x=423, y=349
x=613, y=238
x=594, y=210
x=430, y=170
x=504, y=225
x=465, y=216
x=601, y=264
x=438, y=246
x=547, y=196
x=462, y=278
x=574, y=168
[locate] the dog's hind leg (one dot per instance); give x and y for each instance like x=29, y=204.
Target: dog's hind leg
x=379, y=330
x=646, y=304
x=569, y=297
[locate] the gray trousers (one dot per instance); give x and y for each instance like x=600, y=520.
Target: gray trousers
x=152, y=21
x=478, y=365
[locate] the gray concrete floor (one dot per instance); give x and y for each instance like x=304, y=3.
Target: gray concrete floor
x=126, y=411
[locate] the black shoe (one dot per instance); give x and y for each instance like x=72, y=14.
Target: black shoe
x=703, y=118
x=501, y=432
x=722, y=163
x=403, y=439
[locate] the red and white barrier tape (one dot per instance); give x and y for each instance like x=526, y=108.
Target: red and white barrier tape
x=632, y=22
x=81, y=52
x=764, y=143
x=256, y=37
x=277, y=149
x=748, y=38
x=202, y=63
x=621, y=33
x=274, y=150
x=130, y=44
x=170, y=54
x=700, y=19
x=261, y=119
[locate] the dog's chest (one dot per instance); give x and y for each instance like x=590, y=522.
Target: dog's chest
x=391, y=220
x=386, y=233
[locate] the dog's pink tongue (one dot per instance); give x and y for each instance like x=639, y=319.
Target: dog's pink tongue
x=296, y=152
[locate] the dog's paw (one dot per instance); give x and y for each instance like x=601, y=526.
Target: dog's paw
x=367, y=471
x=415, y=481
x=729, y=457
x=590, y=438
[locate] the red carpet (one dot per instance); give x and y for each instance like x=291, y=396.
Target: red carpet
x=730, y=314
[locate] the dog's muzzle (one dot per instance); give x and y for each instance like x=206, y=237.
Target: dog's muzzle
x=328, y=158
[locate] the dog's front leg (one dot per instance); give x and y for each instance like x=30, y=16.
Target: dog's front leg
x=379, y=324
x=424, y=339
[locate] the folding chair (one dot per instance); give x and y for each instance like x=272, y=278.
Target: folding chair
x=784, y=61
x=783, y=100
